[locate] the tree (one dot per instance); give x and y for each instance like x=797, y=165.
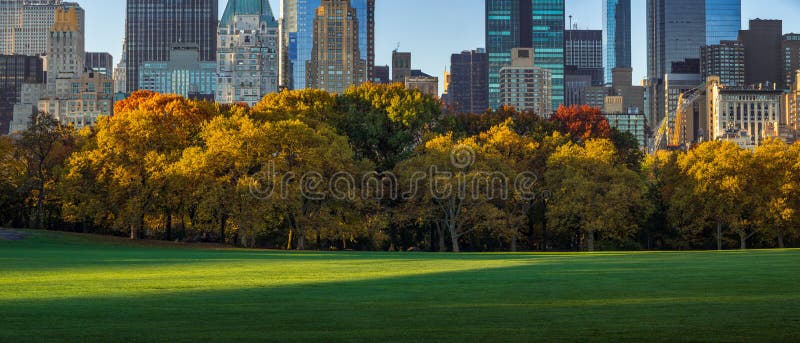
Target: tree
x=592, y=194
x=130, y=155
x=582, y=123
x=384, y=123
x=775, y=172
x=43, y=148
x=522, y=161
x=12, y=176
x=716, y=189
x=450, y=183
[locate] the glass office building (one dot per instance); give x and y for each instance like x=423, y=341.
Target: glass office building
x=301, y=42
x=523, y=24
x=723, y=20
x=153, y=27
x=616, y=36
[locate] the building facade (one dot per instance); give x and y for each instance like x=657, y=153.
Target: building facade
x=633, y=123
x=791, y=58
x=10, y=19
x=469, y=81
x=750, y=113
x=401, y=66
x=425, y=83
x=525, y=86
x=616, y=36
x=299, y=40
x=16, y=71
x=248, y=59
x=336, y=62
x=184, y=74
x=38, y=17
x=523, y=24
x=723, y=20
x=100, y=62
x=65, y=48
x=153, y=27
x=676, y=30
x=583, y=50
x=81, y=100
x=763, y=58
x=726, y=60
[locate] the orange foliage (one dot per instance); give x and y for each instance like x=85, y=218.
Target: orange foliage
x=582, y=122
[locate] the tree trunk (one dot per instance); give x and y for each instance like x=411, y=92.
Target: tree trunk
x=289, y=241
x=133, y=232
x=222, y=222
x=719, y=235
x=590, y=241
x=168, y=226
x=440, y=232
x=743, y=240
x=781, y=245
x=301, y=241
x=454, y=238
x=514, y=242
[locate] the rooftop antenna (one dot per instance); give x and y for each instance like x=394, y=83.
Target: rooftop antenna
x=397, y=48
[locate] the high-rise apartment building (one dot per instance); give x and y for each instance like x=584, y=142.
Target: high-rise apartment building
x=746, y=115
x=336, y=62
x=525, y=86
x=248, y=59
x=523, y=24
x=100, y=62
x=616, y=36
x=583, y=50
x=725, y=60
x=16, y=70
x=298, y=38
x=469, y=83
x=153, y=27
x=762, y=52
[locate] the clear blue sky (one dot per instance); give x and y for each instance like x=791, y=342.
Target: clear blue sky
x=434, y=29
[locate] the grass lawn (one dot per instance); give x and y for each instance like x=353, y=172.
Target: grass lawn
x=62, y=287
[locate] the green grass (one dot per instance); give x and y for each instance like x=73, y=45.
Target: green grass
x=60, y=287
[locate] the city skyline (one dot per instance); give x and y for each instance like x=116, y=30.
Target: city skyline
x=432, y=44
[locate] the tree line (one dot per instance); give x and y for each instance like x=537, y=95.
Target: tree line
x=400, y=172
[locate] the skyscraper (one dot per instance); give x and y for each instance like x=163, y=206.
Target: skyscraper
x=525, y=86
x=401, y=66
x=523, y=24
x=676, y=30
x=762, y=52
x=298, y=36
x=15, y=70
x=469, y=83
x=153, y=26
x=723, y=20
x=616, y=36
x=248, y=60
x=65, y=49
x=10, y=18
x=724, y=60
x=583, y=50
x=38, y=16
x=336, y=61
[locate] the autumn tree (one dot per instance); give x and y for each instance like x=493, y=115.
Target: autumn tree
x=775, y=169
x=43, y=148
x=582, y=122
x=592, y=194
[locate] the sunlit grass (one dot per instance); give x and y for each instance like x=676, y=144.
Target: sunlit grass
x=77, y=288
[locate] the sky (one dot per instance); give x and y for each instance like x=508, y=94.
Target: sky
x=434, y=29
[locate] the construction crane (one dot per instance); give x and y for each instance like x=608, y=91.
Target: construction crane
x=676, y=137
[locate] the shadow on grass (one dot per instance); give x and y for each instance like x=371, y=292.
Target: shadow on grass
x=546, y=302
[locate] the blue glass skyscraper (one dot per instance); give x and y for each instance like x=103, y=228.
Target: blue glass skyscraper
x=301, y=43
x=723, y=20
x=523, y=24
x=616, y=36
